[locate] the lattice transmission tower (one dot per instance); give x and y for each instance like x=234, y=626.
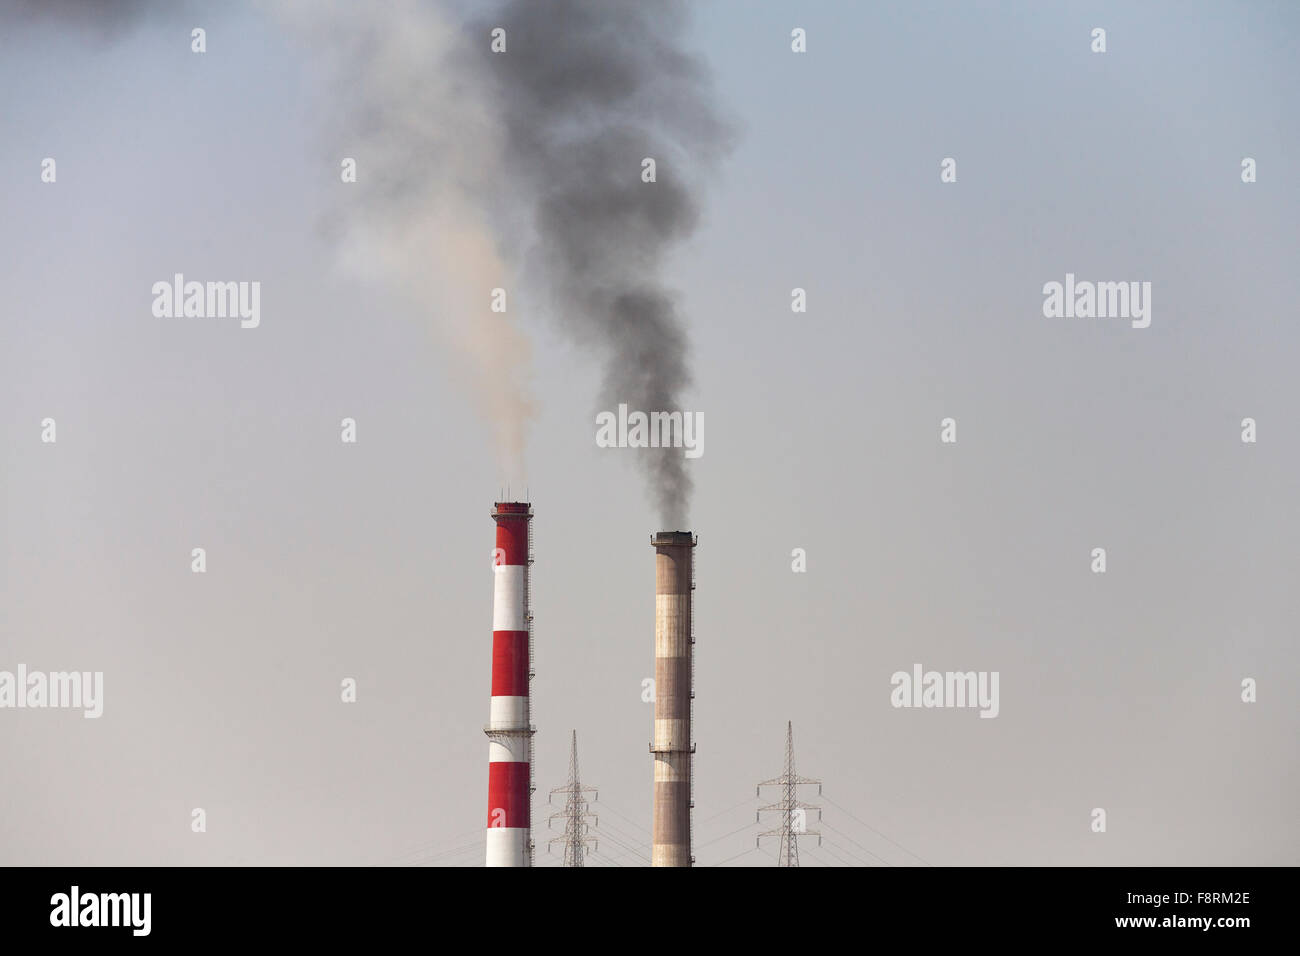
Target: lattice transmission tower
x=794, y=813
x=578, y=819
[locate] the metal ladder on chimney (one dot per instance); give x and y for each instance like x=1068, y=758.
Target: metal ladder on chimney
x=528, y=617
x=690, y=757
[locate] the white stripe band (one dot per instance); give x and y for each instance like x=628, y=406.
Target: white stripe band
x=670, y=734
x=508, y=713
x=507, y=846
x=508, y=749
x=508, y=598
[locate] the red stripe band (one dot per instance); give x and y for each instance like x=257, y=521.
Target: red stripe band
x=509, y=663
x=512, y=541
x=508, y=791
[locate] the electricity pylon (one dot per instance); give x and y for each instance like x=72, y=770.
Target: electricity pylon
x=794, y=815
x=575, y=814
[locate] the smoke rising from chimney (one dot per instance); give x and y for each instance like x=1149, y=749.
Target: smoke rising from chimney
x=101, y=19
x=456, y=146
x=428, y=149
x=588, y=89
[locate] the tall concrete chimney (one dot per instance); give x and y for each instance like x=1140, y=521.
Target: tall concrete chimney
x=674, y=690
x=509, y=728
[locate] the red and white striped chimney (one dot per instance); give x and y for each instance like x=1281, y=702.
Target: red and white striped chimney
x=509, y=729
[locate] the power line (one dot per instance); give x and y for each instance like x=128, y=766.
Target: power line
x=610, y=809
x=836, y=849
x=728, y=810
x=752, y=849
x=874, y=830
x=859, y=845
x=633, y=847
x=747, y=826
x=813, y=858
x=445, y=854
x=428, y=846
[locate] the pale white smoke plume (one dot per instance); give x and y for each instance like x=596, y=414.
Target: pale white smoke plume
x=428, y=150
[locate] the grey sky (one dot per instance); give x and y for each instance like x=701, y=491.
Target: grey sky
x=371, y=561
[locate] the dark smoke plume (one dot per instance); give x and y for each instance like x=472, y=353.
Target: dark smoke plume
x=107, y=18
x=558, y=125
x=589, y=88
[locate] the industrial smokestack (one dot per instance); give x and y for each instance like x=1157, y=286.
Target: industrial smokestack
x=509, y=729
x=674, y=692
